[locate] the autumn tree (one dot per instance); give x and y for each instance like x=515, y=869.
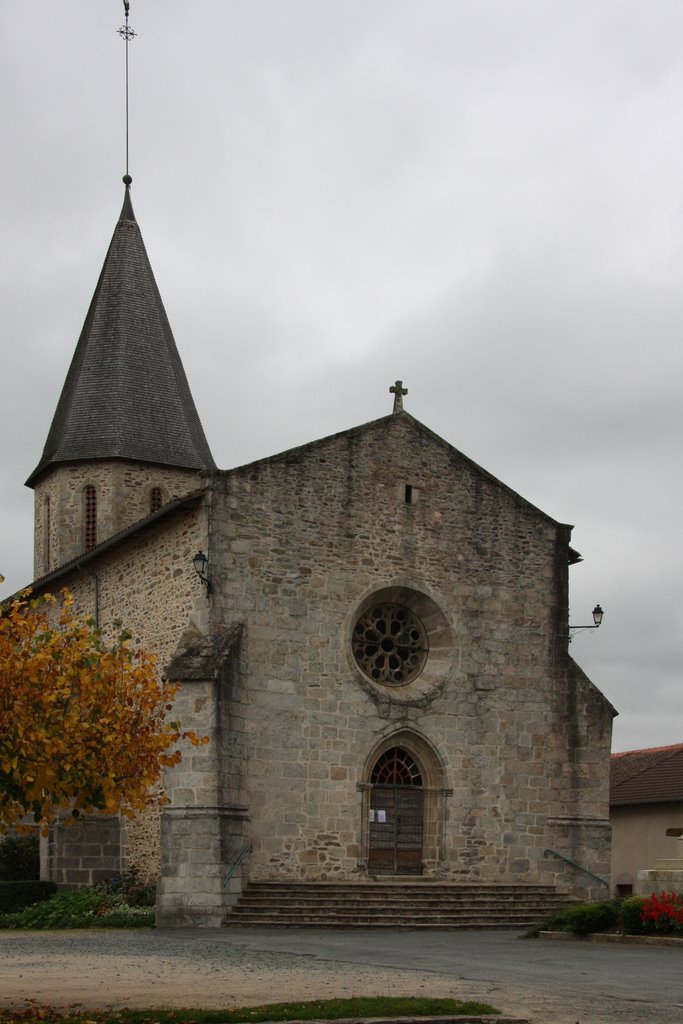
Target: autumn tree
x=84, y=724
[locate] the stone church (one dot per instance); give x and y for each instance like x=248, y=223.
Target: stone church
x=376, y=641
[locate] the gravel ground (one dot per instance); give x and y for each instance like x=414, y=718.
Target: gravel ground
x=542, y=982
x=102, y=968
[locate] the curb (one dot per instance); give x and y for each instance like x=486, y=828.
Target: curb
x=627, y=940
x=466, y=1018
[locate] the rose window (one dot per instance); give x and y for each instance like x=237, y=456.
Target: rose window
x=390, y=644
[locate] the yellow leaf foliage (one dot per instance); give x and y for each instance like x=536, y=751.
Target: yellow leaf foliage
x=83, y=723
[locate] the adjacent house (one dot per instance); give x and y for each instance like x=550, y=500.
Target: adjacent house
x=646, y=811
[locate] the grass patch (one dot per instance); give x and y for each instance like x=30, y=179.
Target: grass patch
x=323, y=1009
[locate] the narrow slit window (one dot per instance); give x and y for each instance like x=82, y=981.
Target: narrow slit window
x=409, y=494
x=155, y=499
x=48, y=552
x=90, y=517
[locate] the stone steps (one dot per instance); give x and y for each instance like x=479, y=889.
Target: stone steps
x=393, y=905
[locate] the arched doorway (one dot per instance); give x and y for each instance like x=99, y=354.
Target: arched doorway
x=396, y=814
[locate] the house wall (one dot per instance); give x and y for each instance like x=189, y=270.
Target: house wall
x=513, y=738
x=639, y=839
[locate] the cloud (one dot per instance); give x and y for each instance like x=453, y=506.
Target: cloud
x=479, y=198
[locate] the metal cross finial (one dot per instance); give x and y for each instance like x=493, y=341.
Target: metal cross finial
x=398, y=391
x=126, y=33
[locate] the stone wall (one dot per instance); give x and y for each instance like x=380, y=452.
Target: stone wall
x=149, y=584
x=85, y=853
x=123, y=498
x=518, y=739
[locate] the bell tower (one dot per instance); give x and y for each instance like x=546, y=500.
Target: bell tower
x=125, y=437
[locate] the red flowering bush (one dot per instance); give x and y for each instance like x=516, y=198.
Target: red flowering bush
x=663, y=912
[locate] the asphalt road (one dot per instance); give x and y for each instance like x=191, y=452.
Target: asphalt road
x=546, y=981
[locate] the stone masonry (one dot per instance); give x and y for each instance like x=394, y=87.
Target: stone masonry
x=511, y=737
x=147, y=582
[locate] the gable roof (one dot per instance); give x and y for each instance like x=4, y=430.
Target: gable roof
x=653, y=775
x=126, y=395
x=400, y=420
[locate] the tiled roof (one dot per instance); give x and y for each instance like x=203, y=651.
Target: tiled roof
x=654, y=775
x=126, y=395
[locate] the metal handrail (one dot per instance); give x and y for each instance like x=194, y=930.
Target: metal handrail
x=555, y=853
x=240, y=857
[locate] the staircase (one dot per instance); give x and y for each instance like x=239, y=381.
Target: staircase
x=393, y=905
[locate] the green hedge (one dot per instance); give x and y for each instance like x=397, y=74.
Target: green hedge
x=19, y=859
x=590, y=917
x=14, y=896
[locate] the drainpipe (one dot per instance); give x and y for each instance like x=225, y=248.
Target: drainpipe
x=89, y=572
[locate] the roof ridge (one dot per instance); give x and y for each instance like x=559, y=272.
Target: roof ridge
x=641, y=763
x=647, y=750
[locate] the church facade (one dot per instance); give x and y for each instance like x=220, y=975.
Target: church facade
x=378, y=650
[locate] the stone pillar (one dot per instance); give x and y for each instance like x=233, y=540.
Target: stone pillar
x=196, y=846
x=203, y=826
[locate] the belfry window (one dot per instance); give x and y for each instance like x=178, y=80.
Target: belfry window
x=89, y=517
x=155, y=499
x=46, y=532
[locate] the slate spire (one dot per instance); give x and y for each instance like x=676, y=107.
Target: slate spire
x=126, y=395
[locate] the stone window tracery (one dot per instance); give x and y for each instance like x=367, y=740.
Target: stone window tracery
x=396, y=767
x=390, y=644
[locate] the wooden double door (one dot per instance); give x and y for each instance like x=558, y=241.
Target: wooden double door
x=396, y=829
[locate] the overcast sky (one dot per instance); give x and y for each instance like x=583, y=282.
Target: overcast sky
x=482, y=198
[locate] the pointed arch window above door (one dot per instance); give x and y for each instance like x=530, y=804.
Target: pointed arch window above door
x=395, y=767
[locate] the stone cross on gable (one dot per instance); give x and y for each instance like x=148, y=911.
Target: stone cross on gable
x=398, y=391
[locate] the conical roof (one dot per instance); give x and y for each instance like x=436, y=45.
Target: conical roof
x=126, y=395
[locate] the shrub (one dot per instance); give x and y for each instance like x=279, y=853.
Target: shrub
x=134, y=892
x=629, y=915
x=80, y=908
x=127, y=917
x=14, y=896
x=662, y=913
x=591, y=917
x=19, y=858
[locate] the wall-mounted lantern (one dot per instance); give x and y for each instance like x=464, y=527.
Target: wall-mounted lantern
x=200, y=562
x=597, y=620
